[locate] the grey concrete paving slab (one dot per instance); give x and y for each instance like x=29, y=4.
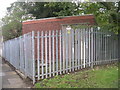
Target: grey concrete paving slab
x=10, y=79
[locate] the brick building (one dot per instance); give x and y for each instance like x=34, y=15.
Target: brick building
x=56, y=23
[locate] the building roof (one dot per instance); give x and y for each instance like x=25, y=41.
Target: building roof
x=52, y=19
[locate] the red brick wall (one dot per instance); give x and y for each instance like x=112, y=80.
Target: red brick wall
x=55, y=23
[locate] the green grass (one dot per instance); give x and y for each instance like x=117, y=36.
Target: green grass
x=105, y=76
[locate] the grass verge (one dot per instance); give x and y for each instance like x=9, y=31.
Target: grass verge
x=105, y=76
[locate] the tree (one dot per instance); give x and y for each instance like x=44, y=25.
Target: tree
x=52, y=9
x=12, y=22
x=106, y=13
x=63, y=8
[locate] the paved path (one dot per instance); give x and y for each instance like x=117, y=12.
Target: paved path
x=10, y=79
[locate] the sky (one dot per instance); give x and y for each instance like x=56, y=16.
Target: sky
x=3, y=5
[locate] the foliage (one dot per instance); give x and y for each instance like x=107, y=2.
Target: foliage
x=11, y=30
x=12, y=22
x=107, y=14
x=63, y=8
x=53, y=9
x=105, y=76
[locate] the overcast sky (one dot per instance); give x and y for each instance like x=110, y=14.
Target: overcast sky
x=3, y=5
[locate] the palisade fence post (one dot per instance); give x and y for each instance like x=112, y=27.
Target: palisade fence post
x=42, y=53
x=10, y=51
x=11, y=55
x=95, y=53
x=7, y=51
x=3, y=49
x=92, y=47
x=23, y=54
x=86, y=31
x=2, y=53
x=53, y=58
x=102, y=37
x=105, y=49
x=103, y=45
x=110, y=48
x=89, y=45
x=73, y=49
x=56, y=51
x=81, y=51
x=38, y=54
x=66, y=56
x=50, y=53
x=108, y=58
x=60, y=52
x=78, y=49
x=114, y=48
x=84, y=49
x=63, y=42
x=100, y=55
x=95, y=40
x=20, y=51
x=33, y=55
x=98, y=46
x=46, y=57
x=70, y=51
x=87, y=62
x=117, y=49
x=24, y=37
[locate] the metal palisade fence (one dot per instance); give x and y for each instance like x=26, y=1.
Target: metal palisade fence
x=19, y=52
x=46, y=54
